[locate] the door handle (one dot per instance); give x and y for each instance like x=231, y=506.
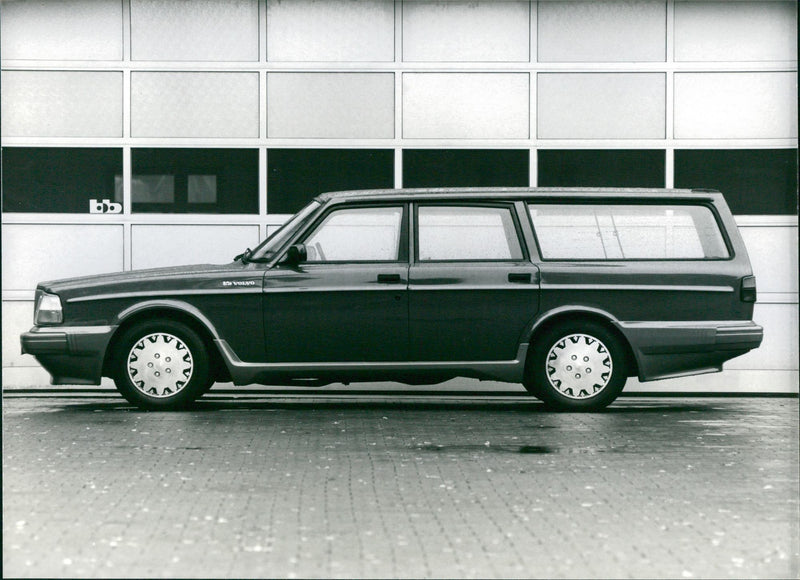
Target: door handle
x=520, y=277
x=388, y=278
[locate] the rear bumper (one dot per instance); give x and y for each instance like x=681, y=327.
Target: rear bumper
x=73, y=355
x=672, y=349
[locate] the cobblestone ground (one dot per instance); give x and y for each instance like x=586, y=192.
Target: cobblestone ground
x=377, y=486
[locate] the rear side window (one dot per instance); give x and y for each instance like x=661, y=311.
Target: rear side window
x=627, y=232
x=468, y=233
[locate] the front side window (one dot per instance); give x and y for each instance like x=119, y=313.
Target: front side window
x=627, y=232
x=471, y=233
x=366, y=234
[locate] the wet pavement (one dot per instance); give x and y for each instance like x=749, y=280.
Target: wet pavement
x=381, y=486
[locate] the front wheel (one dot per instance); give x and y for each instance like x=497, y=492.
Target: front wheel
x=161, y=365
x=577, y=366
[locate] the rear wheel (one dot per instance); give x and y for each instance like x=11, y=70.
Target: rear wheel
x=577, y=366
x=161, y=365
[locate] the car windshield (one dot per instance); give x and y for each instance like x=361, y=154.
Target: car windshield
x=274, y=242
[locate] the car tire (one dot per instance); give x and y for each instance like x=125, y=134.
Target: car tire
x=577, y=366
x=161, y=365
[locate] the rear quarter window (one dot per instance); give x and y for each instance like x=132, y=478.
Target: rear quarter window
x=627, y=232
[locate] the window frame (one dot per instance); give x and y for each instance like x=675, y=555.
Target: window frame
x=507, y=205
x=402, y=251
x=616, y=202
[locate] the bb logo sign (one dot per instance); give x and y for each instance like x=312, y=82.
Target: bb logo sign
x=104, y=206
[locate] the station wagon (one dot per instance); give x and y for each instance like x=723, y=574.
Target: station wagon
x=566, y=291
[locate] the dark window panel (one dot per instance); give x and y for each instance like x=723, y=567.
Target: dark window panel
x=601, y=168
x=754, y=181
x=59, y=179
x=296, y=176
x=466, y=168
x=221, y=181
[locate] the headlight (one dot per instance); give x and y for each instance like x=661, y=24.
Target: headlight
x=48, y=310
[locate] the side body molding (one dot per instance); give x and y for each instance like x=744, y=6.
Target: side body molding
x=321, y=373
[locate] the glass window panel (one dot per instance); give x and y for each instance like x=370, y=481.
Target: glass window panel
x=601, y=168
x=617, y=232
x=153, y=189
x=466, y=105
x=196, y=104
x=210, y=30
x=59, y=251
x=63, y=30
x=602, y=105
x=736, y=105
x=195, y=180
x=61, y=104
x=773, y=252
x=331, y=31
x=357, y=235
x=483, y=31
x=467, y=233
x=296, y=176
x=735, y=31
x=466, y=168
x=753, y=181
x=59, y=179
x=608, y=31
x=330, y=105
x=156, y=246
x=202, y=189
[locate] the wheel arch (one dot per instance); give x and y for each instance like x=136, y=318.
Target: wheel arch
x=175, y=311
x=570, y=314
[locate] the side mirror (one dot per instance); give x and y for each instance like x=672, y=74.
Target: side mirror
x=296, y=254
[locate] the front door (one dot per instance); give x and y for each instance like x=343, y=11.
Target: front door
x=348, y=301
x=473, y=292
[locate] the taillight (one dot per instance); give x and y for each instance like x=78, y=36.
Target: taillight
x=747, y=293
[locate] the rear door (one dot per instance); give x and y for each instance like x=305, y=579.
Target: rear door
x=473, y=290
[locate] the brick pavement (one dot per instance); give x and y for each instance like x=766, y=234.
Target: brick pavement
x=384, y=486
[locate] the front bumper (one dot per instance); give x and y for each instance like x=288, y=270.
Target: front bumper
x=672, y=349
x=73, y=355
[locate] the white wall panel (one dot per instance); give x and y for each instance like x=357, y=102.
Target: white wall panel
x=779, y=350
x=61, y=104
x=330, y=105
x=64, y=30
x=211, y=30
x=735, y=31
x=466, y=106
x=483, y=31
x=202, y=104
x=601, y=106
x=609, y=31
x=773, y=255
x=330, y=31
x=33, y=253
x=736, y=105
x=155, y=245
x=17, y=318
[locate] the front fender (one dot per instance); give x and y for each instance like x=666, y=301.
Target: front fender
x=167, y=304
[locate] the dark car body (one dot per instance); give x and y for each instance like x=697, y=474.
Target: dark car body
x=430, y=285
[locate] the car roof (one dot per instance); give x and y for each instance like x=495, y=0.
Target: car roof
x=506, y=193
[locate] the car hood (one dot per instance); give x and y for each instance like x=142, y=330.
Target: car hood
x=157, y=280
